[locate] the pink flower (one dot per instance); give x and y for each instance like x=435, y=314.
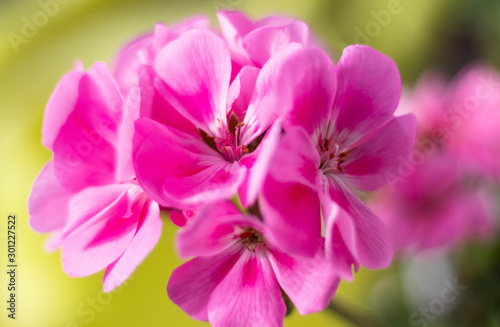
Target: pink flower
x=134, y=67
x=434, y=207
x=471, y=114
x=87, y=194
x=442, y=198
x=183, y=170
x=340, y=132
x=236, y=276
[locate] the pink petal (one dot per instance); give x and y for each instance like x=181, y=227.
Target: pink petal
x=125, y=165
x=84, y=150
x=248, y=295
x=274, y=21
x=310, y=282
x=154, y=106
x=291, y=212
x=234, y=27
x=101, y=198
x=297, y=159
x=368, y=166
x=128, y=63
x=196, y=69
x=145, y=239
x=368, y=91
x=55, y=241
x=191, y=285
x=258, y=163
x=365, y=236
x=178, y=170
x=96, y=240
x=288, y=80
x=337, y=252
x=213, y=229
x=211, y=232
x=241, y=91
x=178, y=218
x=311, y=85
x=61, y=104
x=49, y=202
x=262, y=43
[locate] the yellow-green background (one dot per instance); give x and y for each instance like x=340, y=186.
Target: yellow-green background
x=427, y=33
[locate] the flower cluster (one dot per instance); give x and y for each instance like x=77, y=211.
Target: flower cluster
x=442, y=194
x=252, y=139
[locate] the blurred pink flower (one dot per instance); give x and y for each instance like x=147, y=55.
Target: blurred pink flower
x=236, y=276
x=339, y=130
x=434, y=207
x=473, y=116
x=87, y=194
x=442, y=196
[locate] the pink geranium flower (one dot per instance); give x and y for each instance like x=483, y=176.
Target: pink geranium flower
x=88, y=194
x=184, y=170
x=340, y=132
x=434, y=207
x=442, y=198
x=471, y=115
x=236, y=276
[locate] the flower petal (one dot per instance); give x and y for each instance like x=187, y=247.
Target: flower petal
x=196, y=69
x=212, y=230
x=297, y=159
x=291, y=213
x=248, y=295
x=369, y=164
x=147, y=236
x=258, y=163
x=128, y=63
x=61, y=104
x=234, y=27
x=191, y=285
x=368, y=92
x=178, y=170
x=98, y=239
x=155, y=107
x=49, y=202
x=294, y=80
x=262, y=43
x=125, y=165
x=266, y=104
x=310, y=282
x=365, y=236
x=337, y=252
x=85, y=148
x=311, y=89
x=241, y=91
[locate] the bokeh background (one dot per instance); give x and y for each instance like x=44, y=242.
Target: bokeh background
x=443, y=35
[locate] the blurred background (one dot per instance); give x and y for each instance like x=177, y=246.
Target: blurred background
x=419, y=35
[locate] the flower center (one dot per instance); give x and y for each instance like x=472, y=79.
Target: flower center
x=332, y=157
x=251, y=238
x=227, y=143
